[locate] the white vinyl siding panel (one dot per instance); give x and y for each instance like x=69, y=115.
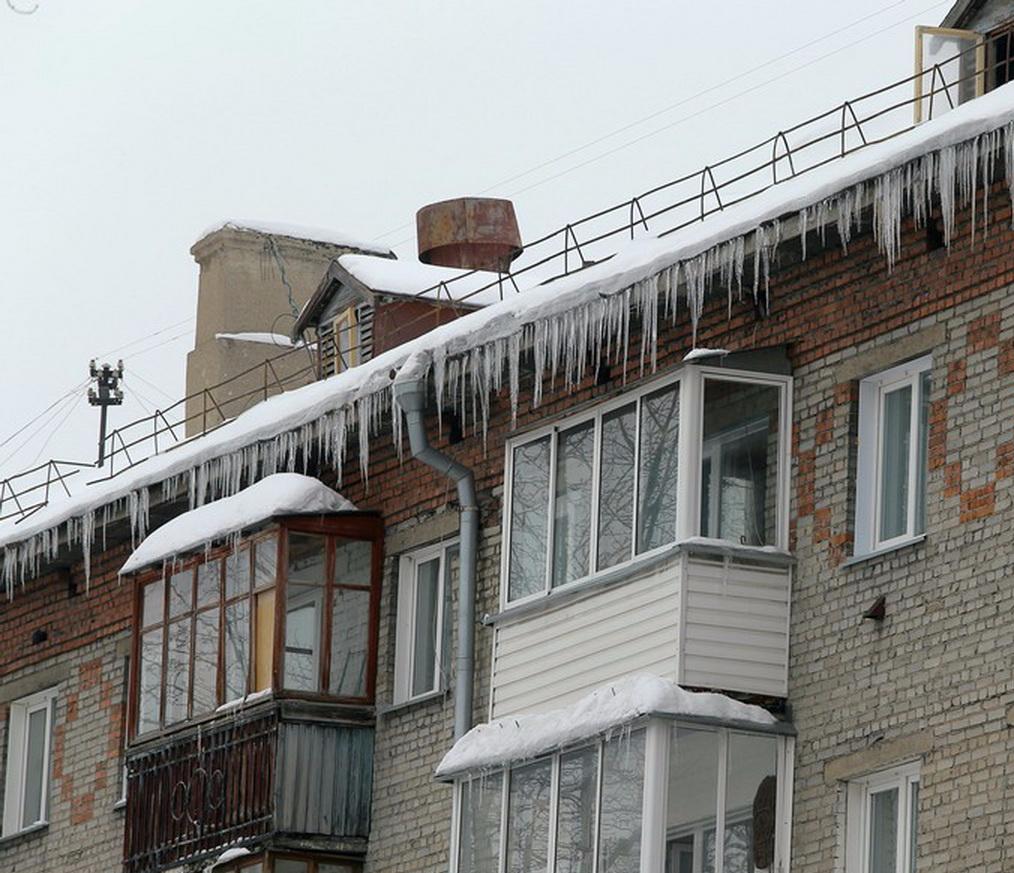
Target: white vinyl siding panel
x=554, y=658
x=735, y=628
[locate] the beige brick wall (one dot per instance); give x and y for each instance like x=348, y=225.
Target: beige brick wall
x=85, y=830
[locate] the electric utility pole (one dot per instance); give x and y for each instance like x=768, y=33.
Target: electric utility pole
x=108, y=394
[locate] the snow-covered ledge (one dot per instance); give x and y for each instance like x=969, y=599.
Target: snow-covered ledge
x=521, y=738
x=279, y=494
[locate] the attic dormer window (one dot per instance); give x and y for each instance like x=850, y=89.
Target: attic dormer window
x=291, y=608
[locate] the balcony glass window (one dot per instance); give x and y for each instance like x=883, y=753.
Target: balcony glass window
x=603, y=488
x=739, y=462
x=207, y=632
x=596, y=802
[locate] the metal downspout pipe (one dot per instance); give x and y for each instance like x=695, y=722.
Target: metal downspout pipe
x=410, y=395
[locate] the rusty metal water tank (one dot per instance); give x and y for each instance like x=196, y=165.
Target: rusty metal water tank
x=472, y=233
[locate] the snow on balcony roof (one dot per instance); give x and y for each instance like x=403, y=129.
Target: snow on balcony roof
x=279, y=494
x=522, y=737
x=412, y=278
x=560, y=326
x=298, y=231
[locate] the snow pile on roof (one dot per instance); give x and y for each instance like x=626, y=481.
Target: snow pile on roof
x=562, y=327
x=411, y=278
x=298, y=231
x=280, y=494
x=522, y=737
x=267, y=338
x=698, y=353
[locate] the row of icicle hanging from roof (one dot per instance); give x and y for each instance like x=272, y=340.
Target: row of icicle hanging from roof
x=565, y=345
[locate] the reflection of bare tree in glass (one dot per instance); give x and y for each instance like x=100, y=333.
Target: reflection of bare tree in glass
x=150, y=680
x=205, y=661
x=177, y=681
x=656, y=522
x=622, y=799
x=575, y=453
x=616, y=487
x=575, y=829
x=528, y=817
x=237, y=648
x=529, y=518
x=481, y=799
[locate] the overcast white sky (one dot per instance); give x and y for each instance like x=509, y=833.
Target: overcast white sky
x=127, y=128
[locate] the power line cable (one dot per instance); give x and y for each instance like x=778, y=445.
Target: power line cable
x=68, y=401
x=707, y=109
x=676, y=105
x=54, y=431
x=80, y=386
x=133, y=374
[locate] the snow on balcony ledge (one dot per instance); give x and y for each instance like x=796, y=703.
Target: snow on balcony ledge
x=522, y=737
x=279, y=494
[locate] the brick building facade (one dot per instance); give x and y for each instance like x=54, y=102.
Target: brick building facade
x=925, y=682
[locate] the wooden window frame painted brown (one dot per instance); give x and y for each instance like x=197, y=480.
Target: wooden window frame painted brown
x=365, y=526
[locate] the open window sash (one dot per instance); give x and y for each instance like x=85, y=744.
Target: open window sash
x=950, y=69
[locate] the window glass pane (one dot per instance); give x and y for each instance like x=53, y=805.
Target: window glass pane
x=657, y=467
x=622, y=796
x=181, y=593
x=528, y=818
x=290, y=865
x=353, y=560
x=575, y=827
x=616, y=487
x=479, y=850
x=575, y=456
x=264, y=623
x=739, y=458
x=306, y=559
x=350, y=633
x=693, y=800
x=208, y=582
x=35, y=767
x=427, y=610
x=922, y=461
x=150, y=680
x=335, y=867
x=894, y=454
x=265, y=561
x=237, y=649
x=205, y=661
x=913, y=826
x=884, y=831
x=529, y=519
x=751, y=789
x=177, y=676
x=304, y=612
x=154, y=603
x=237, y=573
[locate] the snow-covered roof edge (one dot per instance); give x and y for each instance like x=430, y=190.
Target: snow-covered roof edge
x=562, y=325
x=278, y=494
x=298, y=232
x=523, y=737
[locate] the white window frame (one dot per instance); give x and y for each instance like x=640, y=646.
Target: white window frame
x=859, y=793
x=654, y=835
x=17, y=760
x=872, y=394
x=691, y=380
x=405, y=621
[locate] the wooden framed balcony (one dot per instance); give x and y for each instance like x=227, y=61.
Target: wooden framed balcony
x=283, y=767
